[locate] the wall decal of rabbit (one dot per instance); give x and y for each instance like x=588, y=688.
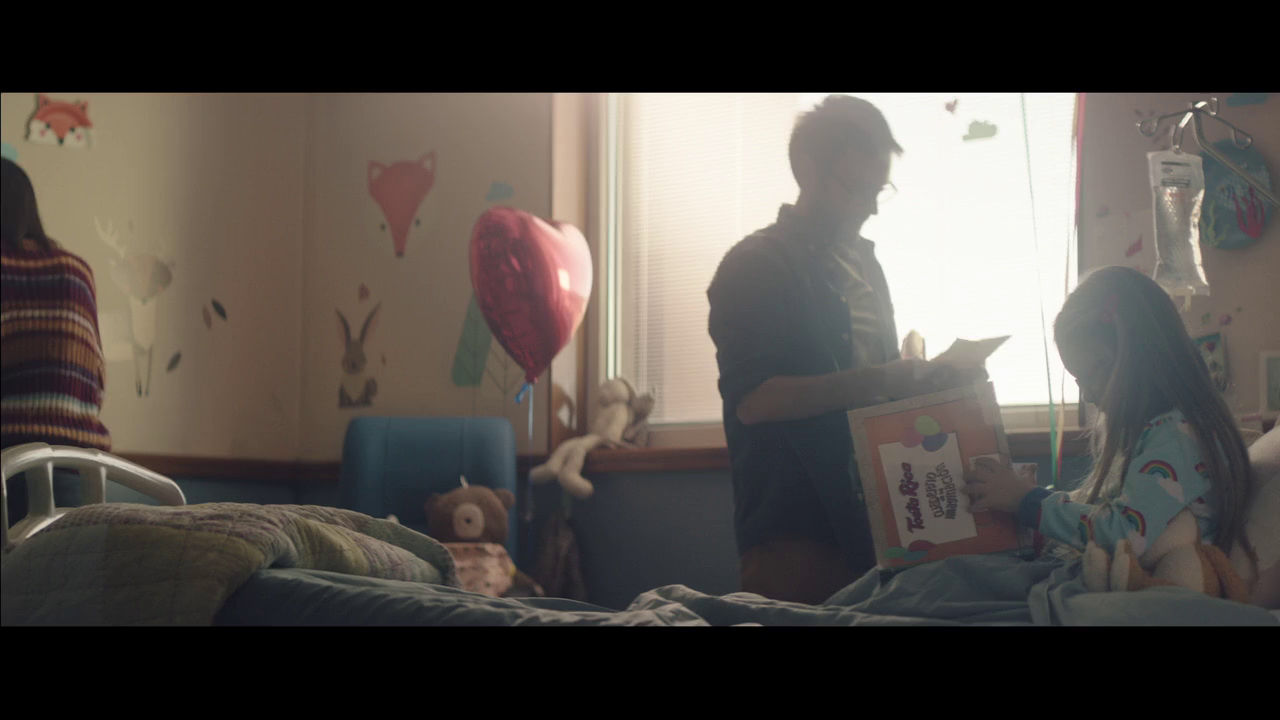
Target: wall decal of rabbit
x=358, y=386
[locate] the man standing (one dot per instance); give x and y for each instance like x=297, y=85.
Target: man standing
x=804, y=332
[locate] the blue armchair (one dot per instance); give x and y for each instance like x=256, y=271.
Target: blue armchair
x=390, y=465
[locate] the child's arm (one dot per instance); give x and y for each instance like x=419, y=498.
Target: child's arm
x=1161, y=481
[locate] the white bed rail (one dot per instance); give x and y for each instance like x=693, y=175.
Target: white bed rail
x=38, y=461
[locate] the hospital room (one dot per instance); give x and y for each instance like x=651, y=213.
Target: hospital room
x=640, y=359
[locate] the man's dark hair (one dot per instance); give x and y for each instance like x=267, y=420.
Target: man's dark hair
x=838, y=124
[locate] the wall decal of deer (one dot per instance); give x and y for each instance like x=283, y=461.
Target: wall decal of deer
x=143, y=278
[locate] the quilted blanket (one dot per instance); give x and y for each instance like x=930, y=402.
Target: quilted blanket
x=978, y=590
x=124, y=564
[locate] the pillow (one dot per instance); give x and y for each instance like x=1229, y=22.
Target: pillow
x=1262, y=523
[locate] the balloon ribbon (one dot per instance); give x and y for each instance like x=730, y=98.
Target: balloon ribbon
x=526, y=546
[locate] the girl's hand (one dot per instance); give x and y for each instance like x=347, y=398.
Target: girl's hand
x=992, y=486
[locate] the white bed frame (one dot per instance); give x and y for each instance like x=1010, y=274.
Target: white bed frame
x=38, y=461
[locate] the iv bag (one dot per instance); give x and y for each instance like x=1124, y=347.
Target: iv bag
x=1177, y=192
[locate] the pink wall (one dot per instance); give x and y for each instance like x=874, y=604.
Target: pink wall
x=1115, y=183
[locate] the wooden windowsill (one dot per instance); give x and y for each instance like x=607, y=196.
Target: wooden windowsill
x=640, y=460
x=283, y=472
x=657, y=459
x=653, y=460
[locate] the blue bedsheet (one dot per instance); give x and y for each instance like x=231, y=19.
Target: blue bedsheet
x=976, y=590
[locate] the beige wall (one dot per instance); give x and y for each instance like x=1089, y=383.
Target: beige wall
x=262, y=202
x=571, y=117
x=211, y=184
x=478, y=139
x=1115, y=181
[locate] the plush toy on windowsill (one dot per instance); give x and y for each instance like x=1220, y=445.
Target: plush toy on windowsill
x=471, y=522
x=621, y=420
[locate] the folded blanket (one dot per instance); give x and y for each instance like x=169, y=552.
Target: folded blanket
x=124, y=564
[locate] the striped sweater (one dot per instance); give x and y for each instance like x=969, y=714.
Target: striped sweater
x=52, y=370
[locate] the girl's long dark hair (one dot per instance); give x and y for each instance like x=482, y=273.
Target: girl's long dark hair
x=19, y=216
x=1157, y=368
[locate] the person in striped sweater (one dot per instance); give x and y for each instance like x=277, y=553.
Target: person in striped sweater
x=52, y=371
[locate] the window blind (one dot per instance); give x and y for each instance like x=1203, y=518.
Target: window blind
x=696, y=173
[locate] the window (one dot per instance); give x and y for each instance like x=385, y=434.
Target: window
x=967, y=252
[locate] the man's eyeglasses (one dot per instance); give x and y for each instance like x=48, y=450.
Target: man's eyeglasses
x=886, y=193
x=882, y=196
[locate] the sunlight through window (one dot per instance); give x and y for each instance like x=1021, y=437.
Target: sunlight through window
x=966, y=251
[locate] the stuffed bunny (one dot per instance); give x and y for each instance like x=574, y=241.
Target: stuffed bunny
x=620, y=421
x=357, y=390
x=1177, y=558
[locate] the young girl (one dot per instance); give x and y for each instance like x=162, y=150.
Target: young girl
x=52, y=371
x=1164, y=440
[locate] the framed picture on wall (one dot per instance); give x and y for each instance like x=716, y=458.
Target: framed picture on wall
x=1269, y=382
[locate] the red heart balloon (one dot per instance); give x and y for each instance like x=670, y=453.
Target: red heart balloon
x=532, y=280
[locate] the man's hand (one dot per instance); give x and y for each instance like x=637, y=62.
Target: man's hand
x=992, y=486
x=911, y=377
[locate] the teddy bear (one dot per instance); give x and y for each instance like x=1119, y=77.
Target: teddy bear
x=471, y=521
x=1177, y=558
x=620, y=421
